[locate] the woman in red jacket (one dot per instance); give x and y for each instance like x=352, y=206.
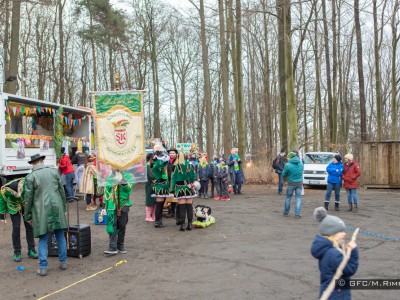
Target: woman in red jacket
x=67, y=169
x=350, y=174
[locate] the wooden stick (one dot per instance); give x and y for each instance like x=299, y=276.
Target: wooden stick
x=339, y=271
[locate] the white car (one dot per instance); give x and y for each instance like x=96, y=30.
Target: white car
x=315, y=164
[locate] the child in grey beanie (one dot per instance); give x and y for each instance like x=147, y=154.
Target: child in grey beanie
x=326, y=247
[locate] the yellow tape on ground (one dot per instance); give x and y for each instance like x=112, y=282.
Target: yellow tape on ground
x=84, y=279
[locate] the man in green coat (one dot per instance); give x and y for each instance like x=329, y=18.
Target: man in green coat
x=11, y=201
x=45, y=206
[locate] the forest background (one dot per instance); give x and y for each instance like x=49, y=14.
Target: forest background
x=254, y=74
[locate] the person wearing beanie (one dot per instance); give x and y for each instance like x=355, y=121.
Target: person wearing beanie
x=278, y=164
x=327, y=248
x=293, y=170
x=334, y=170
x=350, y=174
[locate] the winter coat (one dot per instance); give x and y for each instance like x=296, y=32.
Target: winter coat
x=236, y=177
x=350, y=174
x=293, y=170
x=79, y=159
x=335, y=171
x=203, y=171
x=45, y=202
x=65, y=165
x=280, y=164
x=329, y=260
x=87, y=183
x=222, y=173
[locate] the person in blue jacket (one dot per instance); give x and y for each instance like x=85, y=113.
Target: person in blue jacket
x=335, y=170
x=327, y=248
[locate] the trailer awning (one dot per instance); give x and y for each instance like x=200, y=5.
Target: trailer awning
x=35, y=102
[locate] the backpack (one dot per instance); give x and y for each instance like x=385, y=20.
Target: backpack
x=275, y=163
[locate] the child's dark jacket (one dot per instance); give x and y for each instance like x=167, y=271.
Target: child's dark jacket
x=329, y=260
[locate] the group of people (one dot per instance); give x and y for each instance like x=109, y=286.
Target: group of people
x=41, y=199
x=291, y=167
x=171, y=177
x=85, y=176
x=329, y=246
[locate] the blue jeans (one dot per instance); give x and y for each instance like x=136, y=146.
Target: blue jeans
x=69, y=184
x=43, y=250
x=280, y=183
x=352, y=195
x=289, y=193
x=332, y=187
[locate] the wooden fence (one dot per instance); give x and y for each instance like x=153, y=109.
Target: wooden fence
x=380, y=164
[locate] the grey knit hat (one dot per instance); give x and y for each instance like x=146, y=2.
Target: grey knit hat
x=329, y=225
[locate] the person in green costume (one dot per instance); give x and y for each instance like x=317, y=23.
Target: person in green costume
x=182, y=178
x=150, y=201
x=160, y=189
x=12, y=201
x=118, y=188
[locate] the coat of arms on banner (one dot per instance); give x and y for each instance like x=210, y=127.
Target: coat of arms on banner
x=119, y=129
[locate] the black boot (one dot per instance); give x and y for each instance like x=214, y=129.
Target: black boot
x=177, y=215
x=171, y=210
x=337, y=206
x=182, y=214
x=159, y=207
x=350, y=207
x=189, y=209
x=355, y=209
x=326, y=204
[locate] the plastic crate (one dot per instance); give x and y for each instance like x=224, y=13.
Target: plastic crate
x=96, y=218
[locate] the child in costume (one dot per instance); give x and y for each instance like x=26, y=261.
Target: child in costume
x=183, y=176
x=327, y=248
x=223, y=178
x=171, y=201
x=117, y=204
x=150, y=201
x=203, y=172
x=160, y=189
x=12, y=201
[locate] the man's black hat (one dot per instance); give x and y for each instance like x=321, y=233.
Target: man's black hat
x=36, y=157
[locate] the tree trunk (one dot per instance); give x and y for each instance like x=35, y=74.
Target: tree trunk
x=318, y=98
x=227, y=120
x=328, y=75
x=334, y=75
x=378, y=80
x=291, y=101
x=154, y=69
x=11, y=87
x=395, y=38
x=61, y=4
x=267, y=114
x=207, y=83
x=361, y=88
x=5, y=43
x=282, y=74
x=240, y=108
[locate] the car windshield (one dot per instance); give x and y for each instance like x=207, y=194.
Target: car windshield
x=318, y=158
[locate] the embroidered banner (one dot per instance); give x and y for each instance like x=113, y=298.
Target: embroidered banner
x=119, y=133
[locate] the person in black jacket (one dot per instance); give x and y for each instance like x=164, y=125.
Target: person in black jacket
x=278, y=165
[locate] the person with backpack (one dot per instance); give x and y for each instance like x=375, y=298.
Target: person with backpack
x=278, y=164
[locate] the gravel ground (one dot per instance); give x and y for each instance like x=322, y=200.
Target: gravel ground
x=252, y=252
